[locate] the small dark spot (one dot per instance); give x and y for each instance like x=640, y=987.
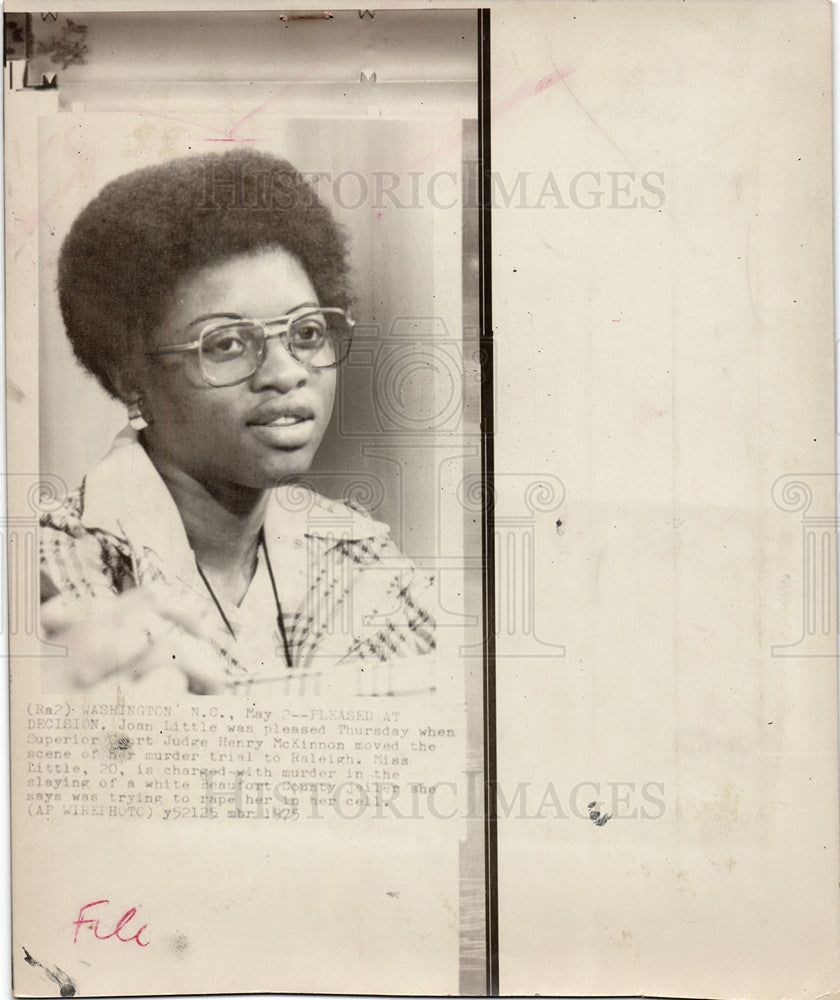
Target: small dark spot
x=118, y=746
x=177, y=944
x=597, y=817
x=15, y=391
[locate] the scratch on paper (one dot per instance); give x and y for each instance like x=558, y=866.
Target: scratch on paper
x=14, y=391
x=561, y=78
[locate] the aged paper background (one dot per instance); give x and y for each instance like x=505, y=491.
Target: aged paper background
x=666, y=371
x=684, y=356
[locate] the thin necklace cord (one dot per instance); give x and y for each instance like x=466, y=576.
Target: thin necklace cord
x=212, y=593
x=280, y=623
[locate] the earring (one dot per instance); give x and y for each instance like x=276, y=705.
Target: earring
x=135, y=414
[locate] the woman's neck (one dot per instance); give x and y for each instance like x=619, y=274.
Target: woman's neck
x=223, y=527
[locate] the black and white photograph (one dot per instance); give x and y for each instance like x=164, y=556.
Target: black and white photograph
x=260, y=485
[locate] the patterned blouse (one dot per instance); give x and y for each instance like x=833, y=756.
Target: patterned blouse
x=355, y=609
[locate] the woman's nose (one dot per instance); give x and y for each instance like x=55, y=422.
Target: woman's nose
x=280, y=369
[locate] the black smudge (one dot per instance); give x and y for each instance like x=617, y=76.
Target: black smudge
x=66, y=986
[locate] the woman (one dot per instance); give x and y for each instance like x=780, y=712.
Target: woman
x=210, y=296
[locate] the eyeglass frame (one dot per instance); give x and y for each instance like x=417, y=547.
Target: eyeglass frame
x=282, y=335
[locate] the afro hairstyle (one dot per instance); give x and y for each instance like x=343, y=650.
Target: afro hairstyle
x=144, y=232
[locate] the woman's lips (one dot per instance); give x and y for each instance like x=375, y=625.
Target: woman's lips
x=285, y=416
x=285, y=431
x=286, y=421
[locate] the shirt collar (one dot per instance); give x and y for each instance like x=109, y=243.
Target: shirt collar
x=125, y=495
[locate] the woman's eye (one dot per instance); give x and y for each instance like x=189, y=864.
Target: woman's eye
x=224, y=345
x=309, y=334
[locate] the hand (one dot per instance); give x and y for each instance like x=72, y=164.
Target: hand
x=133, y=634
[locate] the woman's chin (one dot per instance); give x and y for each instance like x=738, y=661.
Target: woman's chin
x=279, y=473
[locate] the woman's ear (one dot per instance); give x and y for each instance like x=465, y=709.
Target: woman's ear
x=125, y=387
x=129, y=380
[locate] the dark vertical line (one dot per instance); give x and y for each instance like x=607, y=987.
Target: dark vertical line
x=487, y=512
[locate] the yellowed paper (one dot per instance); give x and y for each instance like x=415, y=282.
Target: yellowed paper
x=679, y=309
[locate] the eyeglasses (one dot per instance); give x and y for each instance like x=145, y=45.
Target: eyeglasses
x=231, y=349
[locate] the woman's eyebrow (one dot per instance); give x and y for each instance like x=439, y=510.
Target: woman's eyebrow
x=233, y=315
x=201, y=319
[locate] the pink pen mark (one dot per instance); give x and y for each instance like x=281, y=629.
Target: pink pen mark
x=220, y=135
x=647, y=411
x=548, y=81
x=229, y=135
x=81, y=173
x=120, y=931
x=528, y=90
x=503, y=107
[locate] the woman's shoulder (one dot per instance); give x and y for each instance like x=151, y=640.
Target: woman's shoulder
x=65, y=515
x=300, y=510
x=359, y=578
x=76, y=558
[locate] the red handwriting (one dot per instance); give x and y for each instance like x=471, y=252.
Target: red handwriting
x=119, y=932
